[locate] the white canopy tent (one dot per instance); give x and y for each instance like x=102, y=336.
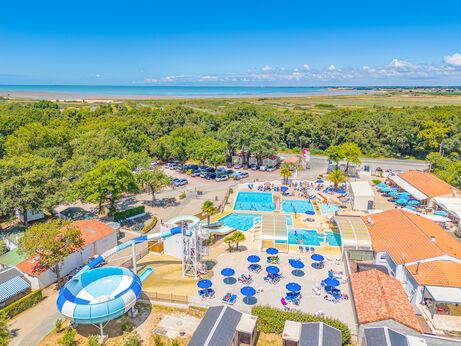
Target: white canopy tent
x=450, y=205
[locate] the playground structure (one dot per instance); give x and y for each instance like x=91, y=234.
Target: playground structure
x=97, y=295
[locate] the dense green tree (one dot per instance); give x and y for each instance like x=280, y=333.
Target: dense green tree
x=336, y=154
x=352, y=153
x=154, y=179
x=52, y=242
x=29, y=182
x=106, y=182
x=211, y=150
x=5, y=333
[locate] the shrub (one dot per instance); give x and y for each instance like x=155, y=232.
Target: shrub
x=23, y=304
x=376, y=181
x=131, y=339
x=5, y=333
x=58, y=325
x=271, y=320
x=150, y=226
x=158, y=340
x=68, y=339
x=93, y=340
x=182, y=195
x=175, y=343
x=231, y=191
x=126, y=324
x=129, y=213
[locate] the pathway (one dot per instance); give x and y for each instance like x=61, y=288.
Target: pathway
x=34, y=324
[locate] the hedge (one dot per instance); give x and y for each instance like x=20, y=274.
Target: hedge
x=271, y=320
x=129, y=213
x=23, y=304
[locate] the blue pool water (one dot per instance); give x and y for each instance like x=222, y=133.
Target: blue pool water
x=243, y=222
x=300, y=207
x=255, y=201
x=311, y=237
x=326, y=208
x=334, y=239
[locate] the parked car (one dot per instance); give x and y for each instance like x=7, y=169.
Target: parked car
x=174, y=180
x=254, y=167
x=240, y=175
x=181, y=182
x=222, y=178
x=221, y=170
x=244, y=175
x=263, y=168
x=238, y=166
x=271, y=169
x=195, y=173
x=211, y=175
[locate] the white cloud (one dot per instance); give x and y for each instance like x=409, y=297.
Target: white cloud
x=332, y=67
x=266, y=68
x=306, y=67
x=453, y=60
x=282, y=69
x=142, y=71
x=98, y=76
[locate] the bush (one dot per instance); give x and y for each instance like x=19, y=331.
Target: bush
x=68, y=339
x=126, y=324
x=58, y=325
x=271, y=320
x=93, y=340
x=131, y=339
x=158, y=340
x=3, y=248
x=129, y=213
x=376, y=181
x=23, y=304
x=175, y=343
x=231, y=191
x=150, y=226
x=182, y=195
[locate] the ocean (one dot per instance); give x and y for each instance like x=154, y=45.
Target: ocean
x=174, y=91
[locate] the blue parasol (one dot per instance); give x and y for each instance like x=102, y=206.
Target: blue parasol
x=319, y=182
x=340, y=191
x=331, y=282
x=386, y=189
x=395, y=189
x=440, y=213
x=204, y=283
x=381, y=185
x=413, y=202
x=393, y=193
x=293, y=287
x=248, y=291
x=273, y=270
x=404, y=193
x=401, y=201
x=318, y=258
x=409, y=207
x=284, y=188
x=227, y=272
x=272, y=251
x=296, y=264
x=310, y=212
x=253, y=259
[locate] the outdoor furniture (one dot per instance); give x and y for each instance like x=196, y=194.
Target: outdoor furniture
x=232, y=299
x=255, y=268
x=301, y=249
x=227, y=298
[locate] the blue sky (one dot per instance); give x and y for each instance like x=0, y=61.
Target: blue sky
x=231, y=43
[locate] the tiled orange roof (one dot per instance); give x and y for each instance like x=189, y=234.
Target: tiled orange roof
x=92, y=231
x=407, y=236
x=379, y=297
x=428, y=183
x=437, y=273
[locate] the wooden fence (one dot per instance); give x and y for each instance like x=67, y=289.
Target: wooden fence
x=167, y=297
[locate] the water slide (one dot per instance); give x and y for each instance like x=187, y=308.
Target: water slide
x=322, y=197
x=98, y=295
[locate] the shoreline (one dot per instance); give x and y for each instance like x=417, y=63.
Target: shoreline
x=78, y=97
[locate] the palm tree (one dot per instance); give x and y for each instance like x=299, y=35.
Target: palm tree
x=229, y=241
x=238, y=237
x=285, y=172
x=336, y=177
x=209, y=209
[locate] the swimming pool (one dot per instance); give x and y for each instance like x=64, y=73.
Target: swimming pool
x=256, y=201
x=311, y=237
x=243, y=222
x=289, y=206
x=327, y=208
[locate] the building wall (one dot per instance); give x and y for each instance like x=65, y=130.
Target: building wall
x=172, y=246
x=31, y=215
x=107, y=243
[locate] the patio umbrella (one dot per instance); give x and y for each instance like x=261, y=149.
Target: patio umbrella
x=395, y=189
x=413, y=202
x=319, y=182
x=409, y=207
x=273, y=270
x=440, y=213
x=296, y=264
x=248, y=291
x=272, y=251
x=393, y=193
x=386, y=189
x=227, y=272
x=253, y=259
x=284, y=188
x=293, y=287
x=340, y=191
x=318, y=258
x=331, y=282
x=204, y=283
x=310, y=212
x=381, y=185
x=404, y=193
x=401, y=201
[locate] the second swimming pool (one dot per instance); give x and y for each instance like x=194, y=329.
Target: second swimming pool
x=243, y=222
x=300, y=236
x=255, y=201
x=294, y=206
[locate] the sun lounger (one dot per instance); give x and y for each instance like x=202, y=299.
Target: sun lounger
x=202, y=294
x=232, y=299
x=210, y=293
x=312, y=250
x=226, y=298
x=301, y=249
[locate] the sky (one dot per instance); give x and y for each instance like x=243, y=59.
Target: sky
x=252, y=42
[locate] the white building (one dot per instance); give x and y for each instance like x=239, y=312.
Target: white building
x=362, y=196
x=98, y=238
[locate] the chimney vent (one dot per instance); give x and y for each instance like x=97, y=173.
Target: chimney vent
x=432, y=239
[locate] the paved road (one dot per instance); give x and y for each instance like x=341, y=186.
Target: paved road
x=32, y=325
